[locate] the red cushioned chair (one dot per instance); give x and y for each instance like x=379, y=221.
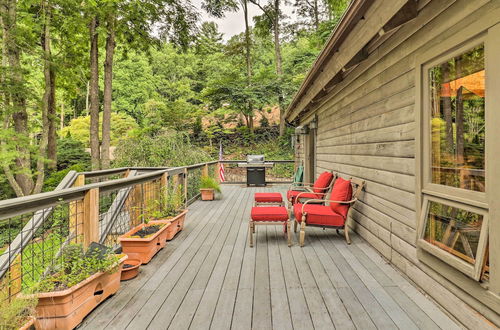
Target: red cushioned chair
x=311, y=191
x=344, y=194
x=269, y=215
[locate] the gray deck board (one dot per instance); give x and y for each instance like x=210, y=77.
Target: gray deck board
x=208, y=277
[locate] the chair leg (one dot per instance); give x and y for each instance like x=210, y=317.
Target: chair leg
x=346, y=233
x=295, y=226
x=289, y=233
x=302, y=232
x=253, y=227
x=250, y=234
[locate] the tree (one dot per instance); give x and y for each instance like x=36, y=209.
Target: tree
x=271, y=20
x=208, y=40
x=94, y=92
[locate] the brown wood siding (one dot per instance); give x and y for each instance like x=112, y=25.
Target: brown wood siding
x=367, y=129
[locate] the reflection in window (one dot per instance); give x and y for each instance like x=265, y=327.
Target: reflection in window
x=454, y=230
x=457, y=96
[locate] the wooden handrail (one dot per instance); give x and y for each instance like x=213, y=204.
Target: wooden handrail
x=26, y=204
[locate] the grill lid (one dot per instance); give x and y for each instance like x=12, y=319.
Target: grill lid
x=255, y=159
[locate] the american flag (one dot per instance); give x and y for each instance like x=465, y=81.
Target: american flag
x=222, y=178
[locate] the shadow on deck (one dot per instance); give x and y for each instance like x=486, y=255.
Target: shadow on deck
x=208, y=277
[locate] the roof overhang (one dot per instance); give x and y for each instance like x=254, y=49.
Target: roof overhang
x=363, y=22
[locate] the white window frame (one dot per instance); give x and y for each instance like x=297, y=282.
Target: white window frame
x=474, y=201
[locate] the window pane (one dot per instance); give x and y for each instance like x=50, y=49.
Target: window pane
x=457, y=96
x=454, y=230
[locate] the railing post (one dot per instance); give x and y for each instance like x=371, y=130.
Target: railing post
x=91, y=217
x=216, y=174
x=185, y=187
x=204, y=171
x=76, y=211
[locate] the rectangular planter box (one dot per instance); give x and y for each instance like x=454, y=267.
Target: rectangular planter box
x=176, y=224
x=144, y=249
x=66, y=309
x=207, y=194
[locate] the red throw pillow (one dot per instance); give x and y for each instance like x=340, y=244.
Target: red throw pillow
x=342, y=191
x=322, y=182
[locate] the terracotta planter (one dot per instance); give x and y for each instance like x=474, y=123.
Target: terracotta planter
x=28, y=325
x=143, y=249
x=66, y=309
x=176, y=224
x=131, y=272
x=207, y=194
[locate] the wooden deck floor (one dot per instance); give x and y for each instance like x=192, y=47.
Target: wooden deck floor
x=208, y=277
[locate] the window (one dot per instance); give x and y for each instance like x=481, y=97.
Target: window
x=454, y=214
x=457, y=102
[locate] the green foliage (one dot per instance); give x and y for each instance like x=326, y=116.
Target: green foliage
x=71, y=152
x=166, y=148
x=77, y=266
x=79, y=128
x=55, y=178
x=15, y=311
x=208, y=182
x=170, y=204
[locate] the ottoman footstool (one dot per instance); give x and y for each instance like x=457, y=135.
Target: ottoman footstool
x=268, y=199
x=269, y=215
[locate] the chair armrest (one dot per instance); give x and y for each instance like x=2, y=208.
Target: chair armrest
x=325, y=200
x=308, y=192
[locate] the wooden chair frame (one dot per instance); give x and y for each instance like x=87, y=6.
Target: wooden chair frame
x=252, y=224
x=358, y=186
x=309, y=190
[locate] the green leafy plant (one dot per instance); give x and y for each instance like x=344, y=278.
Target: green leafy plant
x=170, y=204
x=15, y=312
x=75, y=266
x=208, y=182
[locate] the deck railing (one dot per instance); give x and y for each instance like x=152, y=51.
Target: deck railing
x=281, y=172
x=86, y=207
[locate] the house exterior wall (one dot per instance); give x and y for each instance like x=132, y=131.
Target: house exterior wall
x=367, y=129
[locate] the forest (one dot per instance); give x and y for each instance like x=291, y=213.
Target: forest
x=96, y=84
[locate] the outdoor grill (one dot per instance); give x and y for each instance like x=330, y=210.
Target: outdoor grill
x=256, y=170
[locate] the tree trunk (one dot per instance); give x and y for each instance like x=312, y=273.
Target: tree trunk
x=316, y=14
x=61, y=126
x=94, y=95
x=17, y=95
x=52, y=141
x=447, y=113
x=278, y=59
x=249, y=64
x=108, y=93
x=45, y=41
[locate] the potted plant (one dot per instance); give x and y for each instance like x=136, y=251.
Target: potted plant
x=78, y=284
x=145, y=240
x=16, y=313
x=208, y=187
x=170, y=210
x=130, y=269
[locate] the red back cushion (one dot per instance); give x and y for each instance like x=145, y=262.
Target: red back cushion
x=322, y=182
x=341, y=191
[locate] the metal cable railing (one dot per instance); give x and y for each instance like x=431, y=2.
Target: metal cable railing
x=86, y=207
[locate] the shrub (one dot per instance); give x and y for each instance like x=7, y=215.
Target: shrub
x=76, y=266
x=166, y=149
x=16, y=311
x=71, y=152
x=207, y=182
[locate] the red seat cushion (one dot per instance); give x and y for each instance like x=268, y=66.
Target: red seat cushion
x=268, y=197
x=269, y=213
x=318, y=215
x=341, y=191
x=291, y=194
x=323, y=182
